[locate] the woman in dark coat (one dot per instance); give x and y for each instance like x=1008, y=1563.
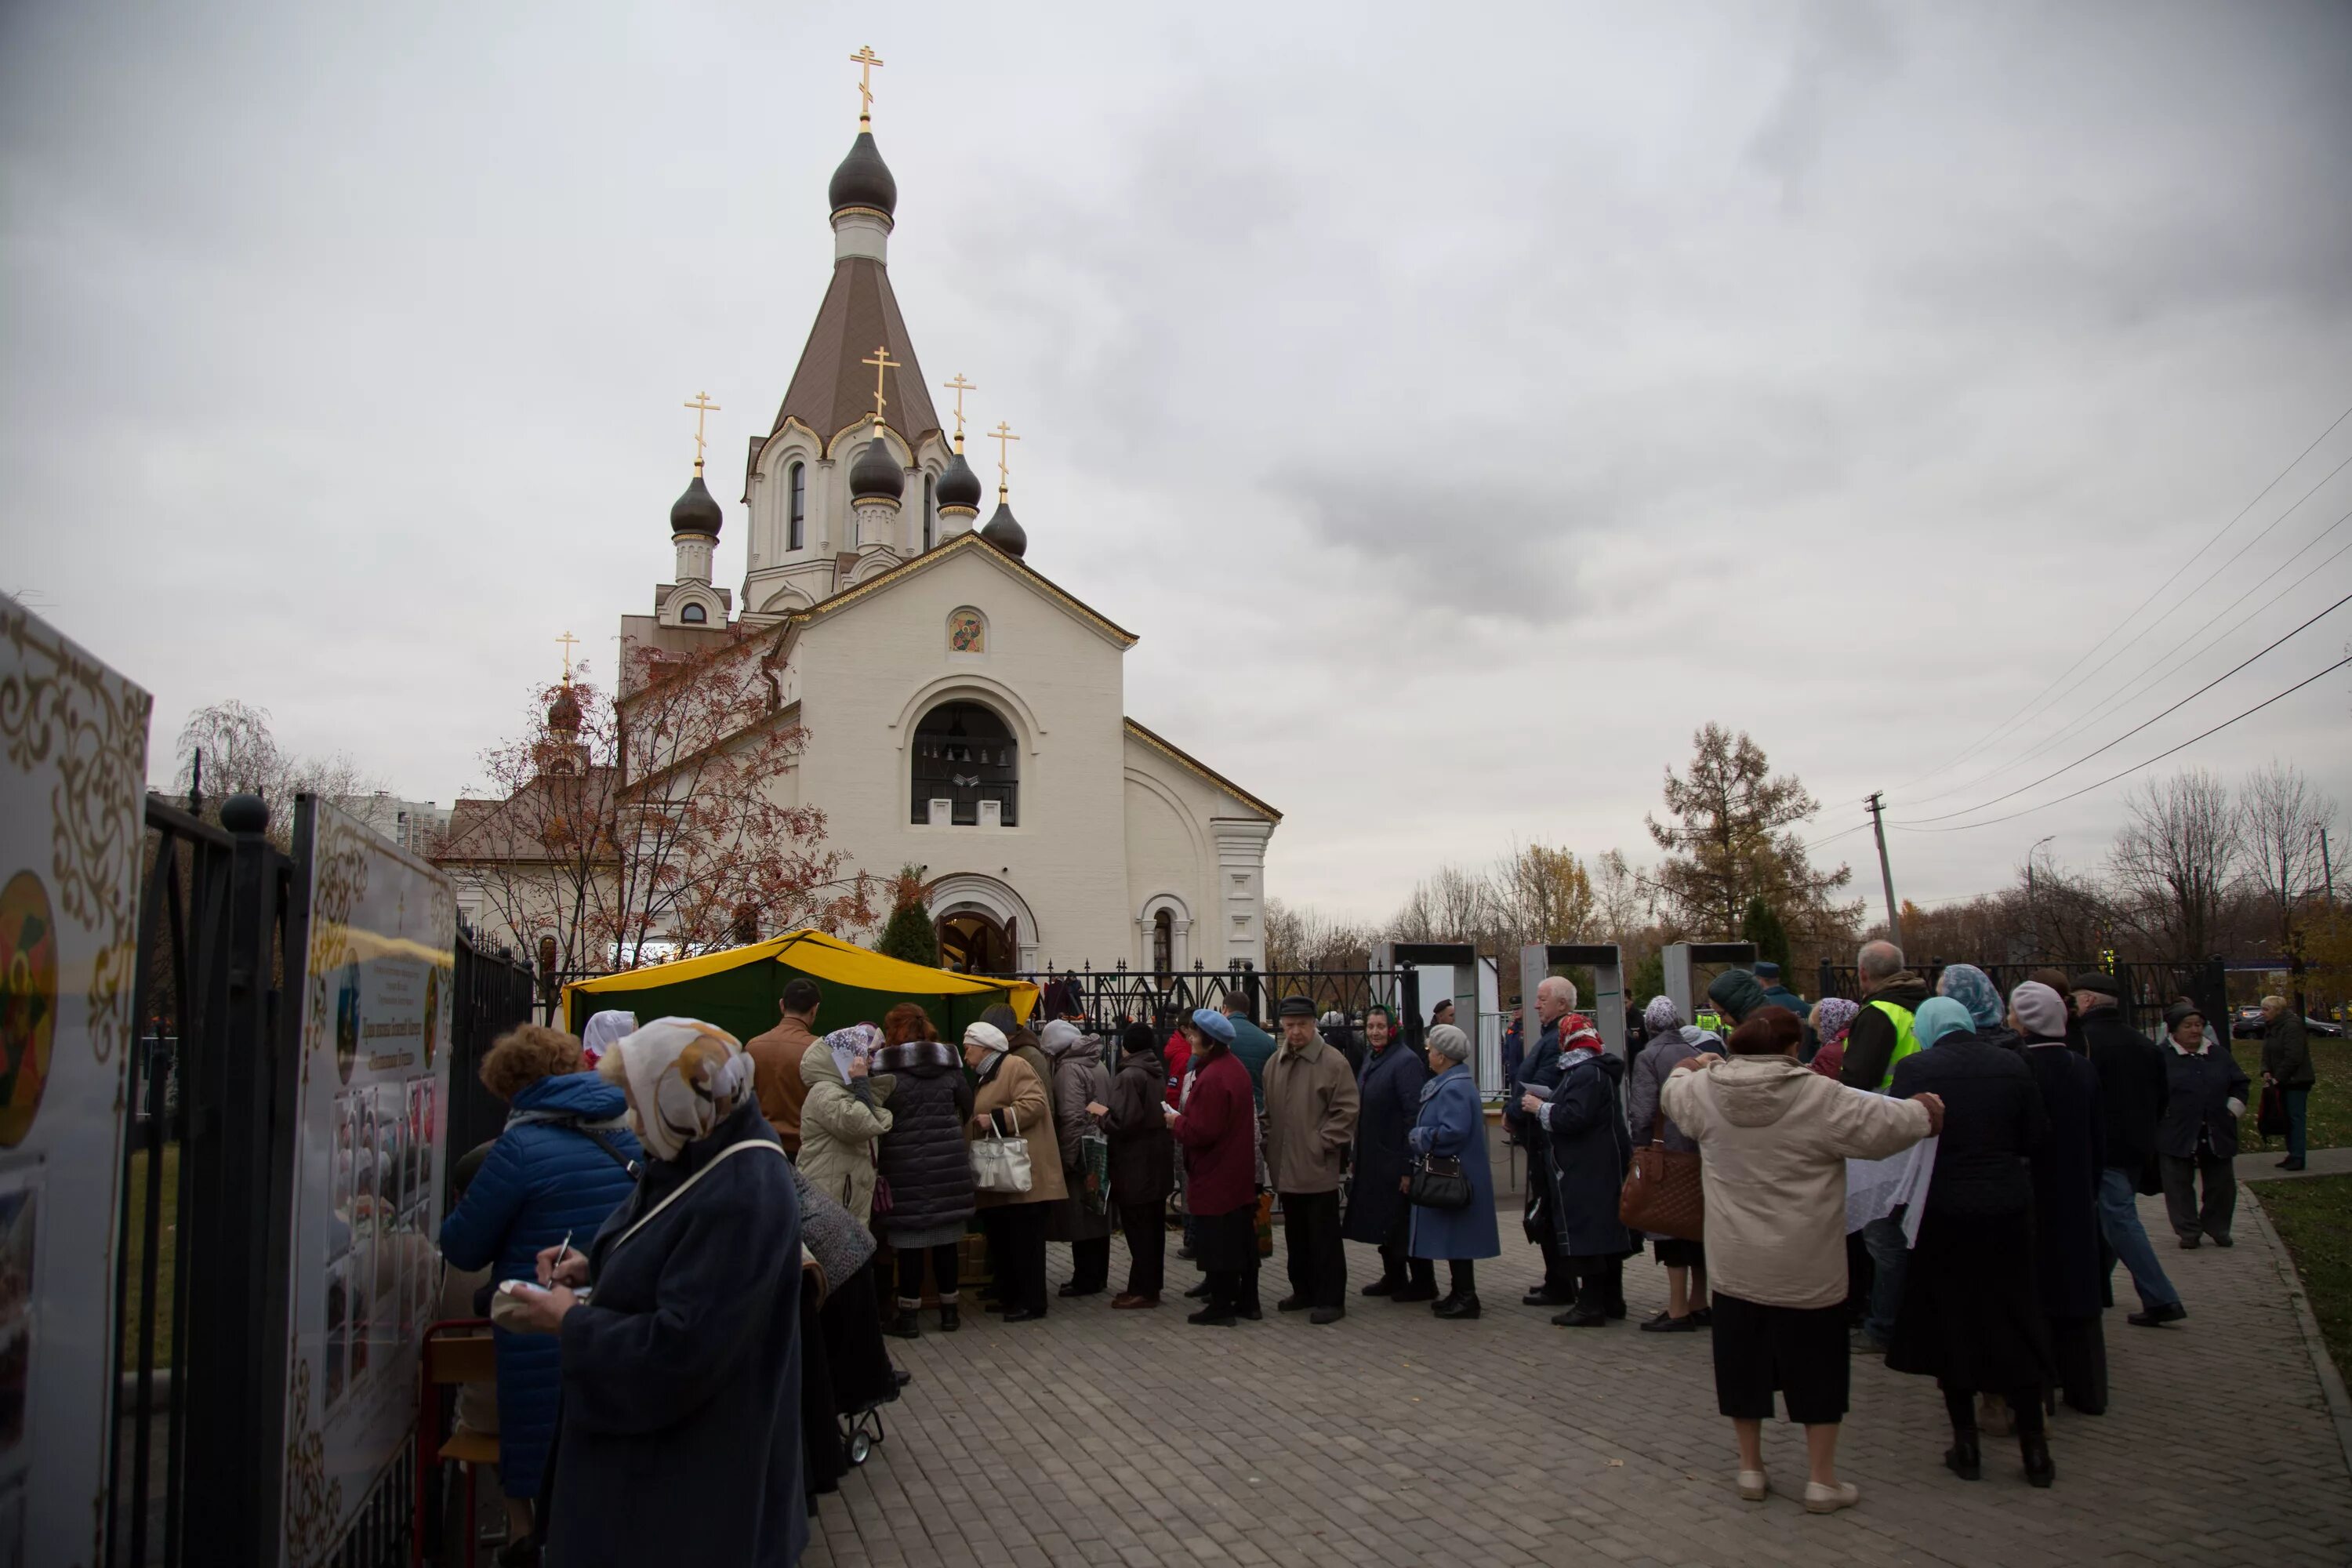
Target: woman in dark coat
x=558, y=1169
x=1971, y=1316
x=2066, y=1261
x=927, y=1163
x=680, y=1439
x=1389, y=1095
x=1588, y=1149
x=1142, y=1163
x=2197, y=1138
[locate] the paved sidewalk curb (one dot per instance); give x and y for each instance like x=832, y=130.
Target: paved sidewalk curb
x=2331, y=1382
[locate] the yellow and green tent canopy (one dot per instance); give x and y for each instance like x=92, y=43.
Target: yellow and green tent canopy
x=738, y=989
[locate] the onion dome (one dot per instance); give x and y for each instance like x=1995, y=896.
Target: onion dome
x=958, y=486
x=876, y=475
x=563, y=713
x=864, y=179
x=696, y=512
x=1004, y=533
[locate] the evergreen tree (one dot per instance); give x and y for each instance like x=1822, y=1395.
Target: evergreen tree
x=909, y=935
x=1762, y=926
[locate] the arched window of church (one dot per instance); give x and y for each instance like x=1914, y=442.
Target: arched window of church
x=798, y=534
x=967, y=771
x=694, y=615
x=930, y=508
x=1163, y=942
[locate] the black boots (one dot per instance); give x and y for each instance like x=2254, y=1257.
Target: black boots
x=1963, y=1458
x=908, y=1324
x=2035, y=1447
x=951, y=1320
x=1455, y=1307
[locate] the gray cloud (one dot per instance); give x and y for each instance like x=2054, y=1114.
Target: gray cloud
x=1461, y=416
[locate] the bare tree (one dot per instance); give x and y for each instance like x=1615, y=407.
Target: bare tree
x=1304, y=938
x=1539, y=893
x=241, y=756
x=2175, y=859
x=1621, y=904
x=2285, y=819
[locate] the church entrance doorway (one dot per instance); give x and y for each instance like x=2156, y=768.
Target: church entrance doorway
x=974, y=943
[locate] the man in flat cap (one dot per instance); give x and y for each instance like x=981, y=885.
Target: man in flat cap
x=1310, y=1123
x=2132, y=1092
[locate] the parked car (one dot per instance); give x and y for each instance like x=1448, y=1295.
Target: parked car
x=2246, y=1023
x=2322, y=1027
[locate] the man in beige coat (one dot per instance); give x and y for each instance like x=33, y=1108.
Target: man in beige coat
x=1310, y=1124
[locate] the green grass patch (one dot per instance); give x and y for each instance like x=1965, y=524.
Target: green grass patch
x=2313, y=1216
x=167, y=1238
x=2330, y=1118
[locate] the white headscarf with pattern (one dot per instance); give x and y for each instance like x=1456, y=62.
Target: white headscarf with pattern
x=683, y=1077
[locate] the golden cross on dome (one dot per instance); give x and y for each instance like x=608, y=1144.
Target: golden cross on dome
x=569, y=642
x=866, y=59
x=702, y=406
x=1001, y=434
x=958, y=387
x=881, y=362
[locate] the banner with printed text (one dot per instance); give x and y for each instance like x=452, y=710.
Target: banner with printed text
x=74, y=737
x=377, y=1006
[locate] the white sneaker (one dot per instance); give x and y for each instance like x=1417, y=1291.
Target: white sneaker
x=1754, y=1485
x=1820, y=1498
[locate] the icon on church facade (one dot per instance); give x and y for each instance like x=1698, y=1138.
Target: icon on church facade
x=967, y=633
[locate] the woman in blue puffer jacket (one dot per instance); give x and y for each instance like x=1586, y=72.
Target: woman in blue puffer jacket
x=564, y=1162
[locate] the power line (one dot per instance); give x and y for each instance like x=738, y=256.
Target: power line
x=2136, y=767
x=2142, y=634
x=2181, y=657
x=2127, y=734
x=1973, y=747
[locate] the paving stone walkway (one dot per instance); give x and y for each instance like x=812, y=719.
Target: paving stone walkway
x=1131, y=1438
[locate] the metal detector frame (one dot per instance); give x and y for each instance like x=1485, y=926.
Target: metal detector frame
x=1682, y=960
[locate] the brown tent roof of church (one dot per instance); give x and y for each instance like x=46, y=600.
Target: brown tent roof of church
x=833, y=388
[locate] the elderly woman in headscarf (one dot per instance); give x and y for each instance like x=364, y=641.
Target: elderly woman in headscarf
x=1452, y=1124
x=682, y=1372
x=1389, y=1099
x=1973, y=989
x=2066, y=1243
x=1082, y=1218
x=1216, y=1128
x=605, y=1030
x=1971, y=1316
x=1671, y=1043
x=1832, y=1020
x=843, y=1115
x=1009, y=1100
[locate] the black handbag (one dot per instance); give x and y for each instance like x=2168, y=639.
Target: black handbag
x=1439, y=1182
x=2271, y=1120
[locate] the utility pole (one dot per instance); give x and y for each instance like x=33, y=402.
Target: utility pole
x=1886, y=876
x=2032, y=912
x=2326, y=869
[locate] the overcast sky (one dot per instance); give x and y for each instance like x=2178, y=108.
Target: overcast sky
x=1463, y=404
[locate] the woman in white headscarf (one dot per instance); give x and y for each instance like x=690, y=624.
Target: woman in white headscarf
x=843, y=1116
x=605, y=1031
x=682, y=1364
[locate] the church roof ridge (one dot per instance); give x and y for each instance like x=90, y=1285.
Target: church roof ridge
x=1183, y=758
x=961, y=543
x=831, y=388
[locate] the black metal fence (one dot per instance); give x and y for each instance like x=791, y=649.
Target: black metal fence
x=2148, y=988
x=495, y=991
x=205, y=1250
x=200, y=1280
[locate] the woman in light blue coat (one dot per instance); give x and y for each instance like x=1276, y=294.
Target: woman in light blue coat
x=1454, y=1125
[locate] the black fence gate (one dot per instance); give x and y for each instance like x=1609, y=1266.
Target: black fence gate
x=203, y=1258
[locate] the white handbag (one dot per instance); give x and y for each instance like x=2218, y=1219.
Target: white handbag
x=1001, y=1164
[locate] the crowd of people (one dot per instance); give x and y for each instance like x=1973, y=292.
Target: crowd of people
x=695, y=1247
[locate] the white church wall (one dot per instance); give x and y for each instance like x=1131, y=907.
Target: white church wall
x=1226, y=885
x=869, y=672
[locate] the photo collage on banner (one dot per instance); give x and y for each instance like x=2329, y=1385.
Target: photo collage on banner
x=73, y=773
x=375, y=1074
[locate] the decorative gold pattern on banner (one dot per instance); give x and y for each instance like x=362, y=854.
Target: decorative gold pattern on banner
x=313, y=1503
x=60, y=709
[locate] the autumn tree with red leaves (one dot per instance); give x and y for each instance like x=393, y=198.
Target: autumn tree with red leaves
x=631, y=830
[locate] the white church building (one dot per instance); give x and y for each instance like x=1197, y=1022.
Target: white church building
x=962, y=712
